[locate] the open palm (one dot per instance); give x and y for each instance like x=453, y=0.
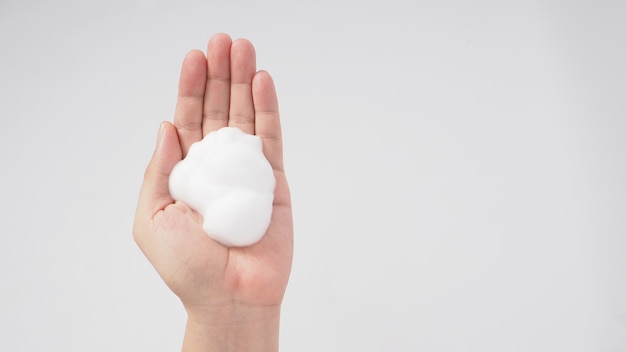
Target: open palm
x=220, y=89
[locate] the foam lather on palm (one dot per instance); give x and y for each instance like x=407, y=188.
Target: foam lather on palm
x=227, y=179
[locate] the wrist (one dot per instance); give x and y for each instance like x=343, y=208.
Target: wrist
x=232, y=327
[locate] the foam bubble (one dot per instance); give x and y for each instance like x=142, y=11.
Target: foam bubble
x=227, y=179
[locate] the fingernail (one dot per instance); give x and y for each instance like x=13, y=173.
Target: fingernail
x=161, y=134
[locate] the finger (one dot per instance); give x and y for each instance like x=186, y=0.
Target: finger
x=155, y=194
x=242, y=69
x=267, y=119
x=188, y=115
x=217, y=94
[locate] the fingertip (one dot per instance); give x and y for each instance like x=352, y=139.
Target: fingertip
x=262, y=75
x=170, y=144
x=218, y=52
x=193, y=54
x=193, y=74
x=160, y=135
x=243, y=41
x=264, y=92
x=221, y=36
x=242, y=52
x=262, y=80
x=193, y=62
x=166, y=154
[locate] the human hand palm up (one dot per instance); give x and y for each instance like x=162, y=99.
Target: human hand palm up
x=219, y=90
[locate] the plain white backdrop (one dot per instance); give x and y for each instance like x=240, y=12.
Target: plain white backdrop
x=457, y=170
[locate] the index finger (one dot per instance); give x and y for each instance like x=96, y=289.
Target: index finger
x=188, y=115
x=267, y=118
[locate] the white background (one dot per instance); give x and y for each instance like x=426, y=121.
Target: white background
x=457, y=170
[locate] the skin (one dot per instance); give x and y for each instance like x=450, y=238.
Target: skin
x=232, y=295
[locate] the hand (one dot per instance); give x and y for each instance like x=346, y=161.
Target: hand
x=216, y=283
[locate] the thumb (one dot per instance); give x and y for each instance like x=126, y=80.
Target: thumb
x=155, y=194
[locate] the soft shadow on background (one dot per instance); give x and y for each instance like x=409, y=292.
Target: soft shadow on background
x=457, y=170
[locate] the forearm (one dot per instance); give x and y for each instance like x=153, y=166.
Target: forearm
x=233, y=328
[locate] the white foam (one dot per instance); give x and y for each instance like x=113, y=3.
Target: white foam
x=227, y=179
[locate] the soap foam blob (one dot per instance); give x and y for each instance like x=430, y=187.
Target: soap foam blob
x=227, y=179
